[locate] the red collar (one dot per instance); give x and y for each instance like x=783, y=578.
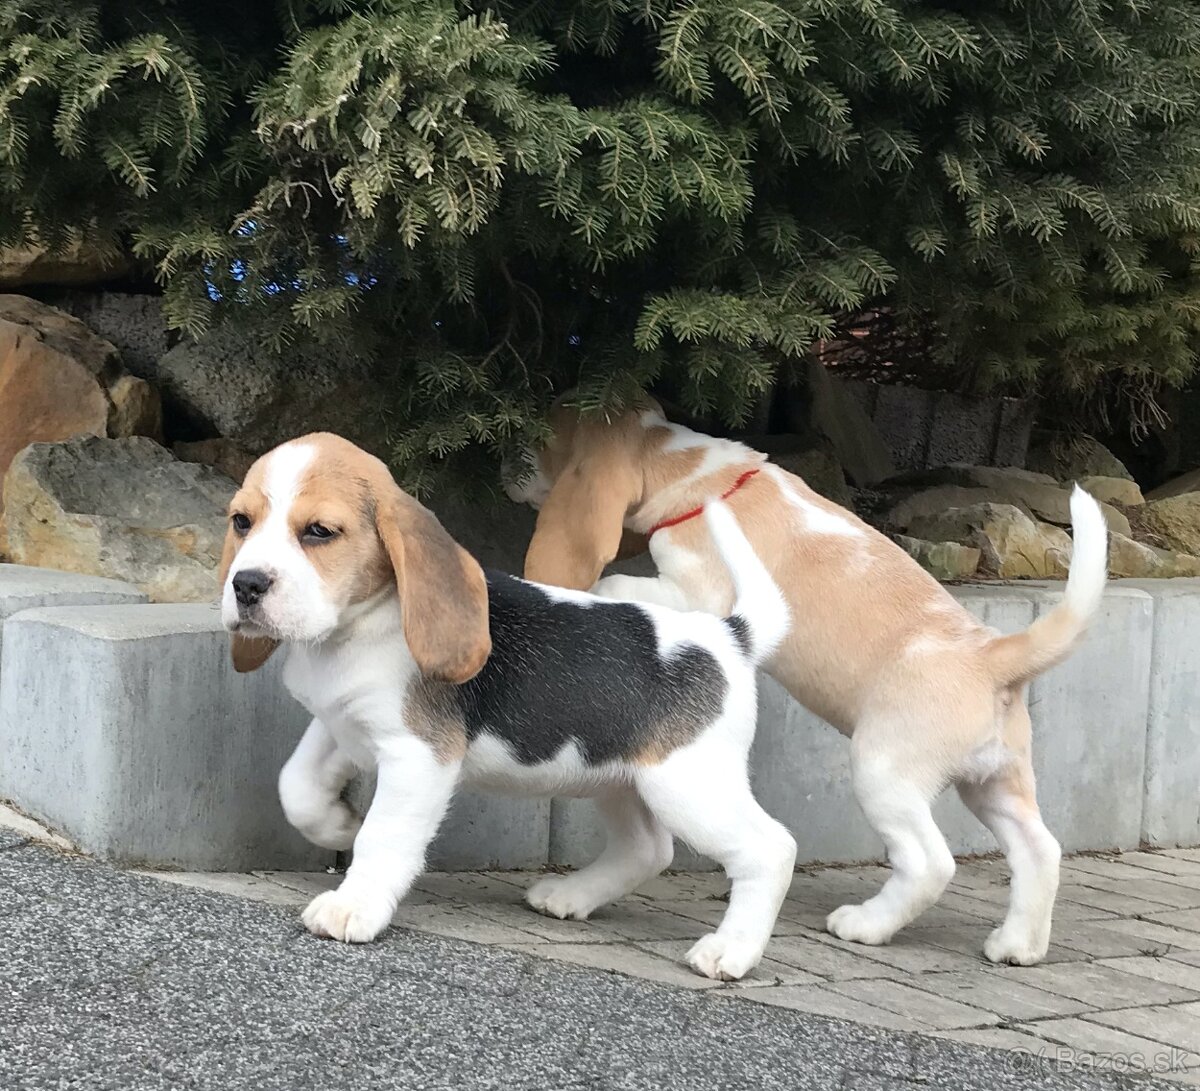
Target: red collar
x=676, y=520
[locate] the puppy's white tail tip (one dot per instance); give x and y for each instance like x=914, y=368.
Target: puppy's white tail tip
x=1089, y=556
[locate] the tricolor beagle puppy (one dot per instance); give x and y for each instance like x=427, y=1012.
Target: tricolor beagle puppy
x=415, y=663
x=929, y=696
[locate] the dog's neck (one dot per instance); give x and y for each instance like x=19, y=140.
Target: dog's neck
x=688, y=470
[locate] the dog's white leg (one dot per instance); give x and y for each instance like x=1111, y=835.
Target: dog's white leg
x=638, y=848
x=1006, y=804
x=653, y=589
x=702, y=795
x=310, y=788
x=898, y=809
x=412, y=792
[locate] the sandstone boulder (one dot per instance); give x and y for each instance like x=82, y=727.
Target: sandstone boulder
x=121, y=508
x=942, y=560
x=834, y=413
x=1189, y=482
x=1070, y=458
x=1114, y=490
x=223, y=455
x=970, y=477
x=1012, y=545
x=1174, y=521
x=78, y=264
x=223, y=385
x=1136, y=560
x=58, y=379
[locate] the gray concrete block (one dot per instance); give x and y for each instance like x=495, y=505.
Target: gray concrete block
x=23, y=587
x=904, y=417
x=482, y=831
x=964, y=430
x=1171, y=811
x=126, y=728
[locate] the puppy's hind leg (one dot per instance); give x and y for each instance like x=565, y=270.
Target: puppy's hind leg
x=702, y=795
x=1006, y=804
x=897, y=804
x=638, y=848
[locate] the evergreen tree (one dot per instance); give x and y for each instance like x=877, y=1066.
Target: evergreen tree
x=501, y=201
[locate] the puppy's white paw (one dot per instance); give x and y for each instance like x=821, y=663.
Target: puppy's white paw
x=558, y=896
x=859, y=924
x=348, y=917
x=1014, y=948
x=724, y=958
x=336, y=829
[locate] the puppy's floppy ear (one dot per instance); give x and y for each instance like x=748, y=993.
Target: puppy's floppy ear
x=249, y=652
x=443, y=595
x=580, y=527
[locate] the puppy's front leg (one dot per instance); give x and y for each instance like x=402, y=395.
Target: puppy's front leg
x=412, y=792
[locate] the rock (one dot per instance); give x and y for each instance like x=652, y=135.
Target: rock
x=1034, y=494
x=1189, y=482
x=1113, y=490
x=133, y=323
x=58, y=379
x=942, y=560
x=135, y=409
x=1013, y=546
x=80, y=263
x=834, y=413
x=223, y=455
x=816, y=467
x=1070, y=458
x=971, y=477
x=1175, y=521
x=227, y=386
x=1132, y=560
x=121, y=508
x=1177, y=564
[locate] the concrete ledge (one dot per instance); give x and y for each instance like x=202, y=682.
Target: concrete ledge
x=127, y=729
x=23, y=587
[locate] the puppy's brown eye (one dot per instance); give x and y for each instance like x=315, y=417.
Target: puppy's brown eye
x=318, y=532
x=241, y=523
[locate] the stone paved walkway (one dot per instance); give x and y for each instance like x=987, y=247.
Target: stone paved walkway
x=1120, y=989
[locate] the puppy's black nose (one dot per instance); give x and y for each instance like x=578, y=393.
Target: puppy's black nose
x=250, y=585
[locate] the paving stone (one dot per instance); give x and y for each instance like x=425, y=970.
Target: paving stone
x=903, y=954
x=621, y=959
x=1109, y=938
x=1156, y=887
x=638, y=921
x=1188, y=919
x=1107, y=1048
x=1152, y=937
x=1162, y=862
x=677, y=886
x=459, y=924
x=1108, y=867
x=767, y=973
x=823, y=959
x=1003, y=1038
x=923, y=1007
x=1115, y=903
x=1009, y=998
x=822, y=1000
x=1170, y=970
x=969, y=940
x=540, y=927
x=306, y=883
x=236, y=883
x=1175, y=1025
x=710, y=912
x=1099, y=986
x=469, y=888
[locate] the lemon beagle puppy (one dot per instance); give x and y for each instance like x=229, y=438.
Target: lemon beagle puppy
x=928, y=695
x=415, y=663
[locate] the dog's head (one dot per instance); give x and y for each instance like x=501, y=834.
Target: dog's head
x=318, y=529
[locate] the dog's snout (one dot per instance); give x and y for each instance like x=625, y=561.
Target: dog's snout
x=250, y=585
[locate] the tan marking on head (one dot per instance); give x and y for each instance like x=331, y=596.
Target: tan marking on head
x=431, y=714
x=382, y=535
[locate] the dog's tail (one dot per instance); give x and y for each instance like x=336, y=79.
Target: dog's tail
x=760, y=615
x=1021, y=657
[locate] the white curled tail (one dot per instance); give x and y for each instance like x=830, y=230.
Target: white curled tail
x=760, y=615
x=1018, y=658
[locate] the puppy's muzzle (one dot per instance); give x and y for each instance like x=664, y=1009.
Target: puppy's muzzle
x=249, y=587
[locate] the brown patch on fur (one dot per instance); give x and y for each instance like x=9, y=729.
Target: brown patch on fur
x=431, y=714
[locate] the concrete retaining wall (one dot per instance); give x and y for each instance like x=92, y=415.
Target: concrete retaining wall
x=125, y=728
